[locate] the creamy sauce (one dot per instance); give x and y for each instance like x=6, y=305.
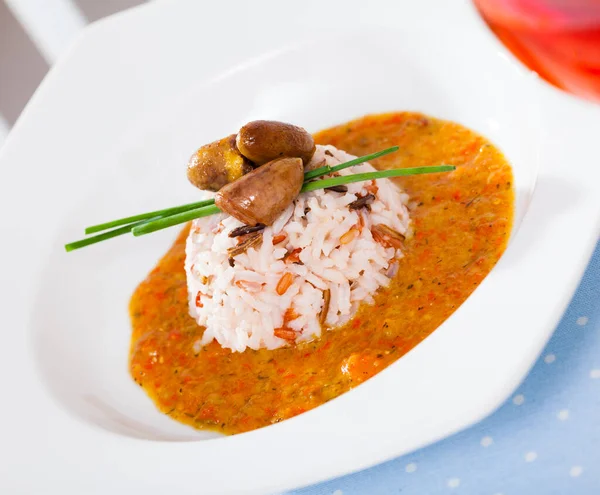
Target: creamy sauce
x=461, y=221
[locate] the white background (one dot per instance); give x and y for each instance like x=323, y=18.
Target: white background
x=32, y=35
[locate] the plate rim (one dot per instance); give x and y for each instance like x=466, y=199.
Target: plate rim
x=303, y=430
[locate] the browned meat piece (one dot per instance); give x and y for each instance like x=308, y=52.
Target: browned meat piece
x=264, y=140
x=217, y=164
x=260, y=196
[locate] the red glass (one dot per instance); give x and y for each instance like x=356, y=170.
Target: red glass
x=558, y=39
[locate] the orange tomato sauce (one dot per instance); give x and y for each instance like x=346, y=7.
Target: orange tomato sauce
x=461, y=221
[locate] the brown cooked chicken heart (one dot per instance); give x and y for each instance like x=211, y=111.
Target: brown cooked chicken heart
x=216, y=164
x=265, y=140
x=263, y=194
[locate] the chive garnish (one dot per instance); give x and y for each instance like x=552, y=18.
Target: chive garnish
x=199, y=204
x=318, y=172
x=144, y=216
x=382, y=174
x=145, y=223
x=105, y=235
x=163, y=223
x=206, y=211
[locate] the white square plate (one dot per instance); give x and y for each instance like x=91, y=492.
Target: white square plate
x=108, y=133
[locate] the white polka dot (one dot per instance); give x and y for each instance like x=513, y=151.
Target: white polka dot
x=550, y=358
x=576, y=471
x=338, y=492
x=582, y=321
x=530, y=456
x=453, y=482
x=486, y=441
x=411, y=468
x=595, y=373
x=518, y=399
x=563, y=414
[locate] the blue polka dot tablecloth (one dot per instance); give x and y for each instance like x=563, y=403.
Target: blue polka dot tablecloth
x=545, y=440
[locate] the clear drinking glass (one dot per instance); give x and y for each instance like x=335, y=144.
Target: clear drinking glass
x=558, y=39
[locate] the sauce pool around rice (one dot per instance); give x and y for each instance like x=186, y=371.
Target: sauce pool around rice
x=461, y=222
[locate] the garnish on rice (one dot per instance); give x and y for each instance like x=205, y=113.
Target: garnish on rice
x=255, y=196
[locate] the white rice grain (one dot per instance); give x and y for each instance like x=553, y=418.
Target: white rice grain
x=239, y=305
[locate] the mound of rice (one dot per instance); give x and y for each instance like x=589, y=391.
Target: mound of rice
x=279, y=286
